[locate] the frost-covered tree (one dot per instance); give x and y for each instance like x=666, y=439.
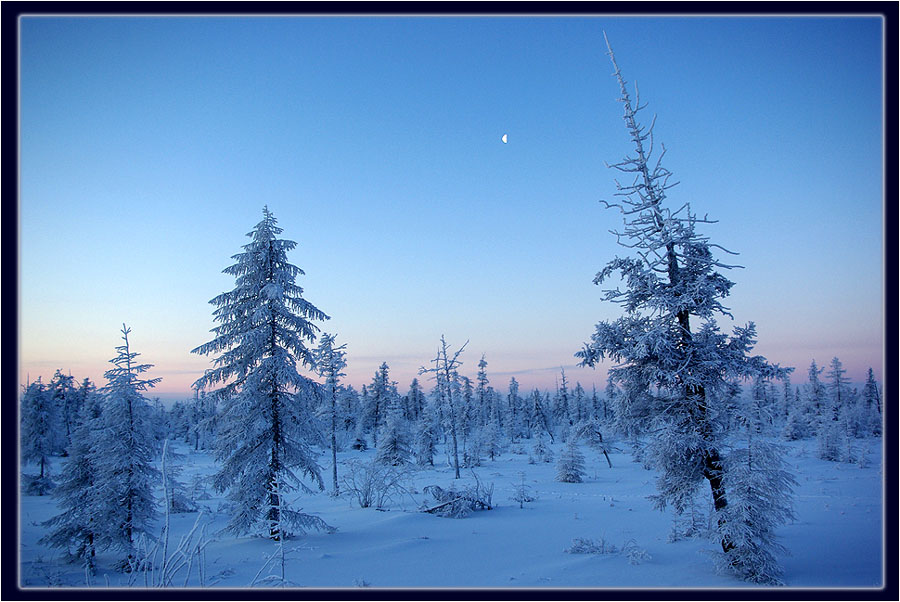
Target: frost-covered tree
x=381, y=394
x=872, y=403
x=76, y=528
x=815, y=397
x=124, y=449
x=395, y=448
x=65, y=406
x=674, y=374
x=482, y=398
x=444, y=373
x=37, y=435
x=838, y=389
x=492, y=437
x=266, y=428
x=582, y=410
x=415, y=401
x=330, y=360
x=514, y=422
x=538, y=420
x=426, y=436
x=570, y=466
x=561, y=409
x=760, y=500
x=541, y=451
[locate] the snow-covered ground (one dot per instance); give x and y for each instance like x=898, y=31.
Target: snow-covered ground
x=836, y=540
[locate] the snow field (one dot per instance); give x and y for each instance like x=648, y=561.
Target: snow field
x=835, y=542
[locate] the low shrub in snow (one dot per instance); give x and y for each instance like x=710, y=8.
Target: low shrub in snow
x=582, y=545
x=374, y=484
x=459, y=503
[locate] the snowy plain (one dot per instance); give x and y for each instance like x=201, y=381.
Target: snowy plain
x=836, y=540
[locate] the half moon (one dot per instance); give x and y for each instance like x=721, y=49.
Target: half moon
x=503, y=139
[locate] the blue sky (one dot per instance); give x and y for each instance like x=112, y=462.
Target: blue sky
x=150, y=145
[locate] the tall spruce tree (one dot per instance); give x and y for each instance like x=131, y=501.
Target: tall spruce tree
x=266, y=428
x=677, y=374
x=123, y=453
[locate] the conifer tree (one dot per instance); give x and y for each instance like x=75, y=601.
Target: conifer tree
x=123, y=452
x=330, y=360
x=381, y=394
x=872, y=403
x=65, y=406
x=395, y=449
x=76, y=528
x=815, y=397
x=37, y=435
x=570, y=466
x=760, y=490
x=426, y=436
x=266, y=428
x=415, y=401
x=674, y=374
x=482, y=398
x=514, y=410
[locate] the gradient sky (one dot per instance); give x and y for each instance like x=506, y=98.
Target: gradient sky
x=150, y=145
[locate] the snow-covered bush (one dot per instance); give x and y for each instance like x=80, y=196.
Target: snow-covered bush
x=459, y=502
x=582, y=545
x=374, y=484
x=634, y=553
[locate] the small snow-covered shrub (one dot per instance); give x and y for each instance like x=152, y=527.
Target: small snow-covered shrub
x=459, y=503
x=541, y=451
x=635, y=553
x=523, y=492
x=374, y=484
x=582, y=545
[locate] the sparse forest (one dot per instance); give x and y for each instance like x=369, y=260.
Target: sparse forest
x=276, y=472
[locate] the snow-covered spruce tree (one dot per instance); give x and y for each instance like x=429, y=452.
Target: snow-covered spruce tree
x=838, y=389
x=759, y=501
x=872, y=403
x=65, y=404
x=482, y=399
x=76, y=528
x=330, y=360
x=394, y=448
x=673, y=372
x=514, y=414
x=832, y=429
x=815, y=398
x=36, y=436
x=266, y=427
x=561, y=410
x=570, y=466
x=415, y=401
x=541, y=451
x=123, y=451
x=381, y=394
x=426, y=436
